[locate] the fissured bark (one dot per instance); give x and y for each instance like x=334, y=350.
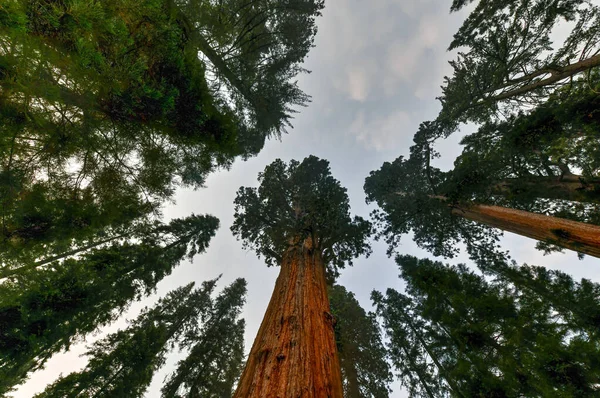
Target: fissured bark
x=578, y=236
x=294, y=353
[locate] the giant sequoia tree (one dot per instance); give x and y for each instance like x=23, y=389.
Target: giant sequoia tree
x=298, y=218
x=456, y=332
x=43, y=311
x=444, y=208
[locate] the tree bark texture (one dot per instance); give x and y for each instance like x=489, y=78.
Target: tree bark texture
x=573, y=235
x=294, y=353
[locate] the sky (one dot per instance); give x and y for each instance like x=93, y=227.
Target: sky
x=377, y=68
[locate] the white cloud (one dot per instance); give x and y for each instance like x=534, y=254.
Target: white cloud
x=385, y=133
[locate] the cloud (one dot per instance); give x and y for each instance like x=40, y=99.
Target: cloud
x=387, y=133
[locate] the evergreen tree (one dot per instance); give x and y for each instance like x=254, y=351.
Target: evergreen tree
x=440, y=207
x=255, y=49
x=44, y=311
x=487, y=338
x=365, y=371
x=214, y=362
x=507, y=56
x=299, y=218
x=105, y=106
x=531, y=155
x=123, y=363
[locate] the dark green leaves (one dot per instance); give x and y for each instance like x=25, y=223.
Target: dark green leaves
x=363, y=358
x=295, y=202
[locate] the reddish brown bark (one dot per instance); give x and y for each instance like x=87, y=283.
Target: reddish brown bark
x=578, y=236
x=294, y=353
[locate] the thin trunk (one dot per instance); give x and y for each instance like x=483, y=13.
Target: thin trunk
x=418, y=372
x=556, y=75
x=294, y=353
x=214, y=57
x=441, y=368
x=353, y=388
x=569, y=187
x=573, y=235
x=7, y=273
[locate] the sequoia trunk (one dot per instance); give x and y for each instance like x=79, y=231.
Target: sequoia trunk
x=573, y=235
x=294, y=353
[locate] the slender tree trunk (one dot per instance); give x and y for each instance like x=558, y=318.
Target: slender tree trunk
x=353, y=390
x=573, y=235
x=569, y=187
x=419, y=373
x=20, y=270
x=432, y=355
x=214, y=57
x=294, y=353
x=556, y=74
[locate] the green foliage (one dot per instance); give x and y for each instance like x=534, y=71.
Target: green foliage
x=123, y=363
x=104, y=111
x=295, y=202
x=487, y=338
x=410, y=195
x=507, y=56
x=214, y=362
x=363, y=358
x=256, y=49
x=43, y=311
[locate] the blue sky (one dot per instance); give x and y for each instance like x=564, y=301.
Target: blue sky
x=376, y=70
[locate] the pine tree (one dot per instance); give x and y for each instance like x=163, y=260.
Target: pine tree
x=365, y=371
x=214, y=362
x=43, y=311
x=507, y=56
x=298, y=218
x=123, y=363
x=487, y=338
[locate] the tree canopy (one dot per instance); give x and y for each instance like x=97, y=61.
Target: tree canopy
x=297, y=201
x=43, y=311
x=123, y=363
x=254, y=50
x=456, y=332
x=507, y=57
x=363, y=357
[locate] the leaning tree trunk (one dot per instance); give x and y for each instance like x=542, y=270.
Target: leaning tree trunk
x=294, y=353
x=573, y=235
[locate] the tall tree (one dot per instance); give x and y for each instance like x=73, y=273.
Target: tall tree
x=214, y=362
x=123, y=363
x=43, y=311
x=255, y=50
x=363, y=358
x=413, y=196
x=488, y=338
x=507, y=55
x=298, y=218
x=105, y=107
